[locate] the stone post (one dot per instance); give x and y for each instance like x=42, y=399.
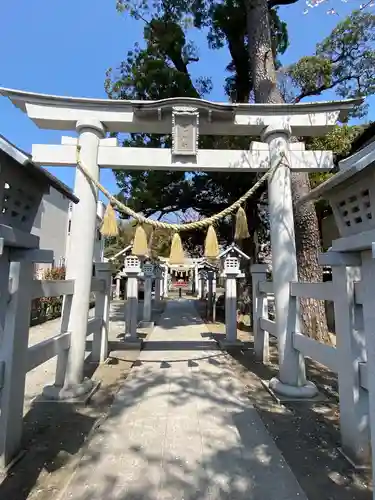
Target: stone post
x=210, y=298
x=202, y=286
x=350, y=351
x=260, y=310
x=118, y=287
x=80, y=258
x=158, y=283
x=291, y=381
x=124, y=277
x=196, y=281
x=165, y=282
x=214, y=284
x=148, y=274
x=15, y=306
x=103, y=271
x=199, y=287
x=231, y=307
x=63, y=356
x=368, y=305
x=133, y=270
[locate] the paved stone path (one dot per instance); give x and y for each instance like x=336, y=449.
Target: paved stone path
x=181, y=428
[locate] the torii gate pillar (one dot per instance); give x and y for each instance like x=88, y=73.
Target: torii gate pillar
x=80, y=261
x=291, y=381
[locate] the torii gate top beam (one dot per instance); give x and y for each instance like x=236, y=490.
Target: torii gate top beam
x=62, y=113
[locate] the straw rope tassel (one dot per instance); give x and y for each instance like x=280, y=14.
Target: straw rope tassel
x=242, y=229
x=109, y=226
x=177, y=255
x=140, y=245
x=211, y=245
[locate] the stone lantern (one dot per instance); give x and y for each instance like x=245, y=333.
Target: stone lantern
x=132, y=265
x=351, y=193
x=132, y=269
x=232, y=265
x=231, y=272
x=22, y=187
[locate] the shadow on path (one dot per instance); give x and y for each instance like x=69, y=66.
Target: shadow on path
x=182, y=429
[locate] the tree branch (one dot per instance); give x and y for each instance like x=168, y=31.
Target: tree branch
x=276, y=3
x=322, y=88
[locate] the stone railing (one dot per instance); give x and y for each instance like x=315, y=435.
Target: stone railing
x=17, y=358
x=347, y=359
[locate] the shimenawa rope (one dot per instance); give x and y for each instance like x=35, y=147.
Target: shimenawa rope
x=201, y=224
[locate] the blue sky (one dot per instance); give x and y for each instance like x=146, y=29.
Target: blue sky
x=65, y=47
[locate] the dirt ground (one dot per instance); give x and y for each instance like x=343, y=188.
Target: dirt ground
x=306, y=433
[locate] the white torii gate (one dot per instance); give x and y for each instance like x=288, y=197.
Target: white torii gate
x=185, y=119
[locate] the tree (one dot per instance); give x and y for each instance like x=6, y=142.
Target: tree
x=344, y=61
x=339, y=49
x=161, y=69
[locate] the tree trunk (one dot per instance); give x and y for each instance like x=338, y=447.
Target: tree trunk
x=305, y=220
x=308, y=248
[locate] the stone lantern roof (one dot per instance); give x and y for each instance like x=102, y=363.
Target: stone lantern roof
x=233, y=249
x=25, y=161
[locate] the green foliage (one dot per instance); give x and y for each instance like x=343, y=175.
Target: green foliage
x=52, y=305
x=344, y=61
x=46, y=308
x=54, y=273
x=339, y=140
x=310, y=73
